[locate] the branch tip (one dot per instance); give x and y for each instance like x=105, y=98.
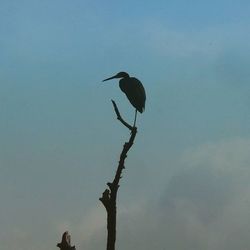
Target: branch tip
x=120, y=118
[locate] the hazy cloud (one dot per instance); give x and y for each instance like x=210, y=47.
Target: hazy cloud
x=204, y=206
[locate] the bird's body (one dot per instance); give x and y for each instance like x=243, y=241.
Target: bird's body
x=133, y=89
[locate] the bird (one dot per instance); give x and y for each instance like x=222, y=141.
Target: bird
x=65, y=244
x=133, y=89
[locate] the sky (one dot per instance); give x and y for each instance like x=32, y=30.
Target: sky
x=186, y=182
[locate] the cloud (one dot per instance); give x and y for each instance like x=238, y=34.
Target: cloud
x=93, y=222
x=227, y=156
x=207, y=201
x=204, y=206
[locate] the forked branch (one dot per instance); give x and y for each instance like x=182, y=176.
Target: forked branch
x=108, y=198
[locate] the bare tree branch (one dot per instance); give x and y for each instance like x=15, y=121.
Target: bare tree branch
x=108, y=198
x=119, y=116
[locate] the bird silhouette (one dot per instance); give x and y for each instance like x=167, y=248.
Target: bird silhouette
x=65, y=244
x=133, y=89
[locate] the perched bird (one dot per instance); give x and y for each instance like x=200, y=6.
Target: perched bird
x=133, y=89
x=66, y=242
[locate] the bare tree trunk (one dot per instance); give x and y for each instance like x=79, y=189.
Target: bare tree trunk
x=108, y=198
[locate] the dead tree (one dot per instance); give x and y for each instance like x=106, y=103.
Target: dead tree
x=65, y=244
x=109, y=196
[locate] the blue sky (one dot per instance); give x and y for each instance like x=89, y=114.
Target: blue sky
x=60, y=140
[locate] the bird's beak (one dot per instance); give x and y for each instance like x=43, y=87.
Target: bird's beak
x=109, y=78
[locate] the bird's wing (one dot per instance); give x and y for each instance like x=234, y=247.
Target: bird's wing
x=141, y=92
x=134, y=91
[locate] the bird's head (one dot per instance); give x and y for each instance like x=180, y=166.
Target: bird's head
x=118, y=75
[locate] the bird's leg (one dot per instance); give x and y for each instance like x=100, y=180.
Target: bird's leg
x=135, y=117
